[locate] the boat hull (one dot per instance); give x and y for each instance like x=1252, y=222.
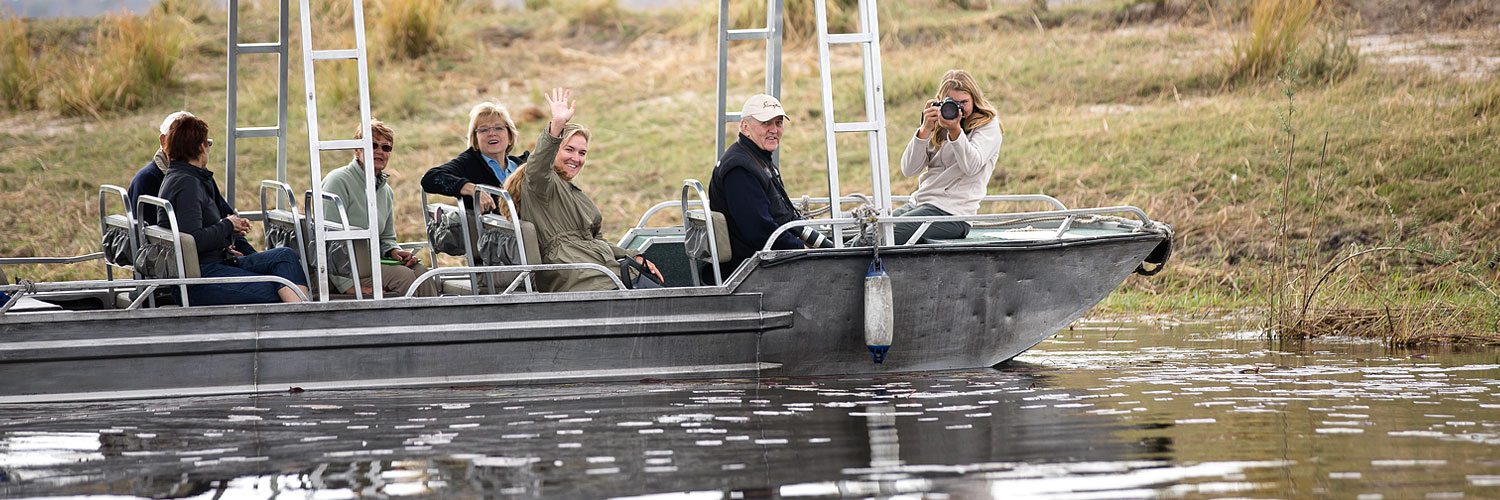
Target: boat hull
x=788, y=314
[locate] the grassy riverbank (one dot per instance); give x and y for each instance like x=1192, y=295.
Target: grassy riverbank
x=1102, y=104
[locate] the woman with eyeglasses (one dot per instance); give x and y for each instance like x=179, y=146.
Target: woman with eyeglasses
x=190, y=186
x=487, y=160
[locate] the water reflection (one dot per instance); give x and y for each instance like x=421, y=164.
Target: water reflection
x=1101, y=411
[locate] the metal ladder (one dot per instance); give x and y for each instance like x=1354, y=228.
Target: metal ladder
x=321, y=234
x=874, y=91
x=772, y=35
x=233, y=131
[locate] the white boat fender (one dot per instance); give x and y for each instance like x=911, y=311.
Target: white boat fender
x=879, y=310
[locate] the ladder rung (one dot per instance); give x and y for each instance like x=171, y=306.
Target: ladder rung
x=341, y=145
x=731, y=117
x=244, y=132
x=855, y=127
x=849, y=38
x=333, y=55
x=258, y=48
x=347, y=234
x=760, y=34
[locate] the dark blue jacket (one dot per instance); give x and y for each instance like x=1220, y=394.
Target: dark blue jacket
x=746, y=187
x=469, y=166
x=194, y=196
x=148, y=182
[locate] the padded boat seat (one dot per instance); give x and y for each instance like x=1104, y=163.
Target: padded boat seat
x=720, y=236
x=162, y=237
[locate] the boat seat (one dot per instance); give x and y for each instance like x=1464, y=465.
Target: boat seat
x=696, y=243
x=162, y=238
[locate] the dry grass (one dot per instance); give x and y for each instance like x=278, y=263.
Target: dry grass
x=410, y=29
x=20, y=85
x=1277, y=30
x=142, y=54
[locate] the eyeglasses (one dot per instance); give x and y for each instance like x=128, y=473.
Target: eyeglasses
x=486, y=130
x=208, y=142
x=382, y=147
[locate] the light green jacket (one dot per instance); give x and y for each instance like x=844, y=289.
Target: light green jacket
x=567, y=223
x=348, y=182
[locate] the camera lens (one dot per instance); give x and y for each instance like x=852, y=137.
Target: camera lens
x=950, y=109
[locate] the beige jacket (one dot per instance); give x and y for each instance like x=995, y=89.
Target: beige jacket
x=955, y=176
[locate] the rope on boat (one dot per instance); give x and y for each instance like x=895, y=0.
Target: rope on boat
x=28, y=287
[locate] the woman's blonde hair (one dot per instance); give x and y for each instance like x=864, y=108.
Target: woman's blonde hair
x=513, y=183
x=962, y=81
x=486, y=111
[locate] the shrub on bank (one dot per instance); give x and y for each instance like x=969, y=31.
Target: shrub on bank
x=20, y=79
x=137, y=59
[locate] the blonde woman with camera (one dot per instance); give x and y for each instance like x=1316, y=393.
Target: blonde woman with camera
x=954, y=151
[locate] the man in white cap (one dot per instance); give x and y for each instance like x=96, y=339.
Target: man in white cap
x=148, y=182
x=746, y=185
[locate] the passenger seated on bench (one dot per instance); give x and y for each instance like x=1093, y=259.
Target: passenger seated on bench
x=746, y=185
x=348, y=182
x=567, y=221
x=955, y=158
x=492, y=136
x=190, y=186
x=148, y=182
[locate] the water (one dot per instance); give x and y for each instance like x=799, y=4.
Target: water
x=1101, y=411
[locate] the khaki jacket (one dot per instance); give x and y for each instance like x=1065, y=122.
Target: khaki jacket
x=567, y=223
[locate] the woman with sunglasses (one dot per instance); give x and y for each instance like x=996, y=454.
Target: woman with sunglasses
x=190, y=186
x=487, y=160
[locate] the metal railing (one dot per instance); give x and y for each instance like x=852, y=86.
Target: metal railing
x=708, y=217
x=1006, y=218
x=149, y=286
x=858, y=198
x=512, y=223
x=525, y=273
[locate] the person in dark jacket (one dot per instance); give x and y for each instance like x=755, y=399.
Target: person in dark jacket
x=746, y=185
x=191, y=189
x=492, y=137
x=148, y=182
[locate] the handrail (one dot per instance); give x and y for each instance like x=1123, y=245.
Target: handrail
x=104, y=191
x=150, y=285
x=525, y=271
x=463, y=217
x=18, y=261
x=291, y=202
x=708, y=216
x=515, y=221
x=1010, y=217
x=856, y=198
x=174, y=229
x=338, y=205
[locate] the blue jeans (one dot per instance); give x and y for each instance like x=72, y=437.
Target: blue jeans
x=938, y=230
x=277, y=262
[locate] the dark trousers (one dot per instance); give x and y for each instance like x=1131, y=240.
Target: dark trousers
x=277, y=262
x=938, y=230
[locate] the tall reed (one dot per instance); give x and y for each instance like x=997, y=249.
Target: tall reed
x=20, y=77
x=1277, y=28
x=413, y=28
x=135, y=58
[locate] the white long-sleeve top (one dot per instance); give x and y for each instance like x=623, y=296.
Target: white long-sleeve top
x=955, y=176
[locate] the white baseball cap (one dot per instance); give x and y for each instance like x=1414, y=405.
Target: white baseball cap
x=763, y=107
x=166, y=125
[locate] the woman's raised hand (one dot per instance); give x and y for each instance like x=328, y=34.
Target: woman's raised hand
x=562, y=108
x=931, y=113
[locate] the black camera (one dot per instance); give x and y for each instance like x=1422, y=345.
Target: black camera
x=949, y=108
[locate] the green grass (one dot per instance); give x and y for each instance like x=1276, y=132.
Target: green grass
x=1148, y=115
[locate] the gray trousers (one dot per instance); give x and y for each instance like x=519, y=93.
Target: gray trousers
x=938, y=230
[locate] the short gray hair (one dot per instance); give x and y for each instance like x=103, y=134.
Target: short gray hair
x=166, y=124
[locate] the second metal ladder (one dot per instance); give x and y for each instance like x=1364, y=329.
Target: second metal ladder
x=321, y=233
x=868, y=39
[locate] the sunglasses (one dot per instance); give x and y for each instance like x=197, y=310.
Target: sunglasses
x=208, y=142
x=381, y=147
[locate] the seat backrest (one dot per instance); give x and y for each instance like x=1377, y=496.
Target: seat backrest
x=157, y=235
x=533, y=244
x=117, y=240
x=698, y=249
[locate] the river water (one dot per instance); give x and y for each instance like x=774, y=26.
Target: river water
x=1103, y=410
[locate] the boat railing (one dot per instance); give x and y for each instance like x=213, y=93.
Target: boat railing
x=524, y=273
x=701, y=201
x=290, y=217
x=349, y=245
x=509, y=223
x=805, y=202
x=115, y=224
x=149, y=286
x=432, y=214
x=1067, y=216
